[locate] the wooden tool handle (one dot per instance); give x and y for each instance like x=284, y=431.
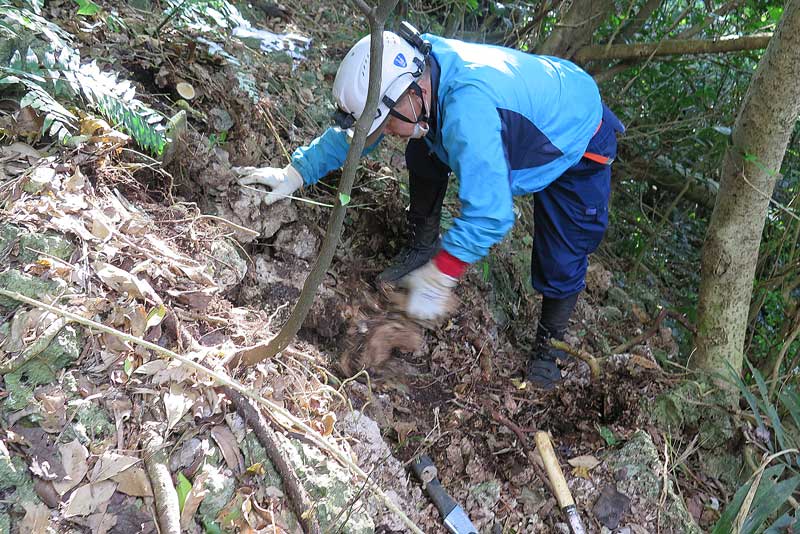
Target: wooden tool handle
x=553, y=469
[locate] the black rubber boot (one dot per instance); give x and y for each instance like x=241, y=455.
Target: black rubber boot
x=542, y=370
x=422, y=246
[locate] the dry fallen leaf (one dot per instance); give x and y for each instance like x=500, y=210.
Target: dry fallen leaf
x=36, y=520
x=229, y=447
x=134, y=481
x=121, y=280
x=328, y=420
x=111, y=464
x=89, y=498
x=73, y=458
x=177, y=403
x=588, y=461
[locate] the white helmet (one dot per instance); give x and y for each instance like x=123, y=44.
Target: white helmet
x=402, y=65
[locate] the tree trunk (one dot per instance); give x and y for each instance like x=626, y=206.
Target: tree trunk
x=670, y=48
x=749, y=172
x=575, y=29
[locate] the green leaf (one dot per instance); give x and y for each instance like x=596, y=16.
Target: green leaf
x=155, y=316
x=745, y=391
x=344, y=199
x=768, y=407
x=184, y=486
x=791, y=401
x=768, y=503
x=725, y=522
x=128, y=366
x=607, y=434
x=87, y=7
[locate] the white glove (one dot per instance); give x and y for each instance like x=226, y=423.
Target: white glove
x=282, y=182
x=429, y=292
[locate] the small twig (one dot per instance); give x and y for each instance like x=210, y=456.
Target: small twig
x=523, y=441
x=164, y=493
x=654, y=329
x=298, y=497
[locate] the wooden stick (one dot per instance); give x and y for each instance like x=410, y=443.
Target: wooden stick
x=298, y=497
x=164, y=493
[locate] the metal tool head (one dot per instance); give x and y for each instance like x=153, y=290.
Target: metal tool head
x=458, y=522
x=574, y=520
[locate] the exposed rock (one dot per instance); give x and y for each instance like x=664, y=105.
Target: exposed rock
x=610, y=507
x=31, y=244
x=375, y=457
x=643, y=481
x=30, y=286
x=220, y=484
x=332, y=487
x=14, y=476
x=297, y=241
x=229, y=268
x=618, y=298
x=43, y=369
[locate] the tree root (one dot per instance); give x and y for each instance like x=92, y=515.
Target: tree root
x=298, y=497
x=164, y=494
x=590, y=360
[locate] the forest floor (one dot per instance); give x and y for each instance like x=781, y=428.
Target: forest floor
x=162, y=252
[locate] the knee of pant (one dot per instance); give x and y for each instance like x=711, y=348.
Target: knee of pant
x=558, y=277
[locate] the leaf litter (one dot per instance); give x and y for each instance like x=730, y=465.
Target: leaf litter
x=149, y=268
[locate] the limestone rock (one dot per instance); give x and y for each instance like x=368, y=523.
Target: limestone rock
x=229, y=268
x=29, y=286
x=640, y=462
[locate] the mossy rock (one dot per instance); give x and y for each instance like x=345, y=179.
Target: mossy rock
x=42, y=369
x=330, y=487
x=14, y=476
x=32, y=244
x=692, y=405
x=5, y=523
x=642, y=466
x=29, y=286
x=220, y=487
x=90, y=423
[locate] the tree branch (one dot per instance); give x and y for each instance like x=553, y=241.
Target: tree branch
x=671, y=47
x=377, y=20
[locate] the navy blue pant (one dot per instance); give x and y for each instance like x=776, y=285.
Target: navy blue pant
x=570, y=215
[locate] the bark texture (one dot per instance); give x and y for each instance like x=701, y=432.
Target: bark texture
x=750, y=170
x=576, y=27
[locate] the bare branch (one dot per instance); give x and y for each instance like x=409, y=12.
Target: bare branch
x=671, y=47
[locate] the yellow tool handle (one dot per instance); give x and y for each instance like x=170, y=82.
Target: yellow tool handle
x=553, y=469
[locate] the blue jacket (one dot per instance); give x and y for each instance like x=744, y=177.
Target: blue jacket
x=508, y=123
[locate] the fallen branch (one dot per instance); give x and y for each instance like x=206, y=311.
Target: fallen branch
x=298, y=497
x=224, y=380
x=164, y=494
x=590, y=360
x=654, y=329
x=41, y=343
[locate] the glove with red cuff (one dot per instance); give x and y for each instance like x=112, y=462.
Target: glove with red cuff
x=430, y=286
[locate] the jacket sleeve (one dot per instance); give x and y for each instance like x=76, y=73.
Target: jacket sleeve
x=324, y=154
x=477, y=156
